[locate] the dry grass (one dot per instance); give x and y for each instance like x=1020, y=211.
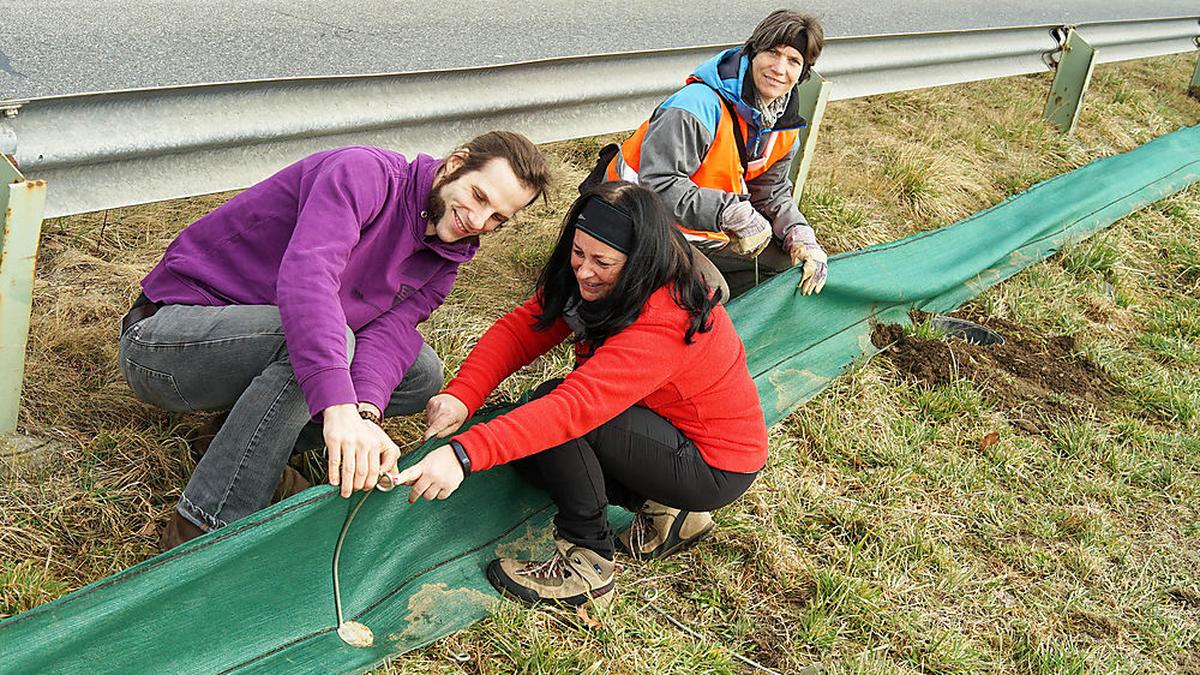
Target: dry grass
x=882, y=536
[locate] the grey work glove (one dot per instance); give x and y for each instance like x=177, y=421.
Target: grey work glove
x=801, y=244
x=749, y=233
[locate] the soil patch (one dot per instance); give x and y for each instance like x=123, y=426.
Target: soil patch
x=1038, y=379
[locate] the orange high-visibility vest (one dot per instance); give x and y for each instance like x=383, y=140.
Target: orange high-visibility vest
x=721, y=168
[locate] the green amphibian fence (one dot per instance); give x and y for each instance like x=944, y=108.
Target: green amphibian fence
x=257, y=595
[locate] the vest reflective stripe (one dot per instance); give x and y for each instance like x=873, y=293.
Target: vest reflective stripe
x=705, y=239
x=722, y=167
x=619, y=170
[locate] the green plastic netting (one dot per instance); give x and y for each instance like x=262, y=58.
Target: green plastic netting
x=257, y=595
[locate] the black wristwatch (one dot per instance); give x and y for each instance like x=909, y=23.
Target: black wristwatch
x=464, y=460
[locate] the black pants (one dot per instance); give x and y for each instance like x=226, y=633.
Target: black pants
x=739, y=271
x=636, y=456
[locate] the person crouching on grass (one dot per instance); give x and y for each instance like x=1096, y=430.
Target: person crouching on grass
x=659, y=416
x=298, y=301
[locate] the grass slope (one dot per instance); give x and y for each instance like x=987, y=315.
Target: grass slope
x=899, y=526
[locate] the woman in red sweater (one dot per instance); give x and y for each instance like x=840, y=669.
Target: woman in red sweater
x=659, y=415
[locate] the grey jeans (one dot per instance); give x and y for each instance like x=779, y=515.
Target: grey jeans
x=190, y=358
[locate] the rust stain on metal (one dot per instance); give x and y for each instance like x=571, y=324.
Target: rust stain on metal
x=33, y=184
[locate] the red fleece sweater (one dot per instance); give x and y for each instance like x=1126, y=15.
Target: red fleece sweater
x=704, y=388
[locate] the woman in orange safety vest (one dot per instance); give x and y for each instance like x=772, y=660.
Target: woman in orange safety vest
x=718, y=152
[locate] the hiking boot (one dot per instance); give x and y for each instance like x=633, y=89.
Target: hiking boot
x=177, y=531
x=573, y=576
x=659, y=530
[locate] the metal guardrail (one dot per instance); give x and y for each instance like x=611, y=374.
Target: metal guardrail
x=106, y=150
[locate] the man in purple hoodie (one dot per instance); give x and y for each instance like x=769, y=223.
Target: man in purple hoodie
x=299, y=299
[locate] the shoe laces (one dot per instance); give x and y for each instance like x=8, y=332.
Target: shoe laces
x=554, y=566
x=641, y=531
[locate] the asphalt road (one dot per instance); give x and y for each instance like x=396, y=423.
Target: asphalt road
x=56, y=47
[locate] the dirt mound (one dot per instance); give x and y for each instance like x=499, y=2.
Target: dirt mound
x=1036, y=378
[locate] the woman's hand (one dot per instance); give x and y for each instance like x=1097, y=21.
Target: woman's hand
x=436, y=476
x=444, y=414
x=358, y=449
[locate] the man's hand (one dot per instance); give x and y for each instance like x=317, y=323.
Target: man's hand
x=358, y=449
x=436, y=476
x=444, y=414
x=801, y=244
x=749, y=232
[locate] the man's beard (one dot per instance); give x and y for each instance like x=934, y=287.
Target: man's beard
x=435, y=206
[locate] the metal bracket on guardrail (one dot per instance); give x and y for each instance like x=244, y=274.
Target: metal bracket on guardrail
x=814, y=94
x=10, y=109
x=8, y=140
x=1073, y=71
x=1059, y=35
x=22, y=203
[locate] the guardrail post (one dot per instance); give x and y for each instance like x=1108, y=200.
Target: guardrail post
x=1074, y=71
x=22, y=204
x=814, y=94
x=1194, y=87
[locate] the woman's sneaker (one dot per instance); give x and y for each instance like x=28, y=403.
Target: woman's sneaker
x=659, y=530
x=573, y=576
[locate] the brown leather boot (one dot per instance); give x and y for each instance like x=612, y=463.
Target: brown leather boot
x=177, y=531
x=290, y=483
x=199, y=445
x=180, y=529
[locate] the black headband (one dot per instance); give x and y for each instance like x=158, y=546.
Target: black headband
x=606, y=223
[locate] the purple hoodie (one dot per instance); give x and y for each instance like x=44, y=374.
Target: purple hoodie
x=334, y=240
